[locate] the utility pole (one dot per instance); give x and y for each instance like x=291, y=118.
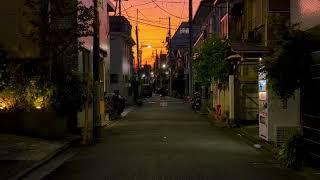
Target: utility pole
x=190, y=50
x=137, y=39
x=170, y=29
x=170, y=72
x=138, y=53
x=120, y=6
x=96, y=72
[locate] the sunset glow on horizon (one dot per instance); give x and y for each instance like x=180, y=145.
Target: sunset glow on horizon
x=154, y=22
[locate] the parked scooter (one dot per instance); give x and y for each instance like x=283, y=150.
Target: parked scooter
x=196, y=101
x=115, y=105
x=118, y=103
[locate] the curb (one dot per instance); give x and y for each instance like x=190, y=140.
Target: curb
x=247, y=137
x=46, y=159
x=265, y=146
x=123, y=115
x=127, y=111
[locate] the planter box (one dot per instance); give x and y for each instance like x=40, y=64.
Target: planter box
x=43, y=124
x=37, y=124
x=9, y=122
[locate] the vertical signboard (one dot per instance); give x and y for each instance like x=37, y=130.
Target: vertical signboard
x=263, y=106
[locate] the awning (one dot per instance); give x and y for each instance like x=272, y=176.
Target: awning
x=248, y=48
x=249, y=52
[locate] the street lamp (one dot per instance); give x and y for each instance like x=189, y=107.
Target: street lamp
x=164, y=66
x=149, y=46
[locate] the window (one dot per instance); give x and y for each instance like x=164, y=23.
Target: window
x=184, y=31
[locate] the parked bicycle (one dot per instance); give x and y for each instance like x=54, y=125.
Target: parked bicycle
x=196, y=101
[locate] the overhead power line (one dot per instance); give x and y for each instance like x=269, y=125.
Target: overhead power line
x=148, y=24
x=164, y=10
x=141, y=19
x=184, y=3
x=143, y=4
x=125, y=10
x=150, y=2
x=151, y=22
x=143, y=15
x=172, y=2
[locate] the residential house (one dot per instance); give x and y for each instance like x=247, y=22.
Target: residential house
x=18, y=38
x=121, y=56
x=209, y=17
x=250, y=31
x=85, y=60
x=307, y=14
x=247, y=25
x=179, y=59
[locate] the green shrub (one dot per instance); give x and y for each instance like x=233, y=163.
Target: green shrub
x=292, y=152
x=69, y=94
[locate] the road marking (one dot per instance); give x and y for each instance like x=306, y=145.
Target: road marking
x=127, y=111
x=163, y=104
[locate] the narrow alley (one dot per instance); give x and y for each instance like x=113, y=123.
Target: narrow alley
x=169, y=142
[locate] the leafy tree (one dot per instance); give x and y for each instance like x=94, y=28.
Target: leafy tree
x=57, y=27
x=23, y=82
x=288, y=65
x=211, y=61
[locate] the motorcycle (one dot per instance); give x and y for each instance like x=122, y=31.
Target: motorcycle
x=196, y=102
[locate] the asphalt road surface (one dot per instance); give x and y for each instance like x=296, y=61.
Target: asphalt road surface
x=165, y=139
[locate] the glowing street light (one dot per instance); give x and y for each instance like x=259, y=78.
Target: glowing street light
x=164, y=65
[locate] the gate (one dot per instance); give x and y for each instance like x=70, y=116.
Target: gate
x=311, y=110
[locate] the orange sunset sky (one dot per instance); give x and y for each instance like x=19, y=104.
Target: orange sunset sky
x=155, y=33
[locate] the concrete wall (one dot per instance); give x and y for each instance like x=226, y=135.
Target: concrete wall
x=220, y=97
x=120, y=64
x=282, y=117
x=116, y=62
